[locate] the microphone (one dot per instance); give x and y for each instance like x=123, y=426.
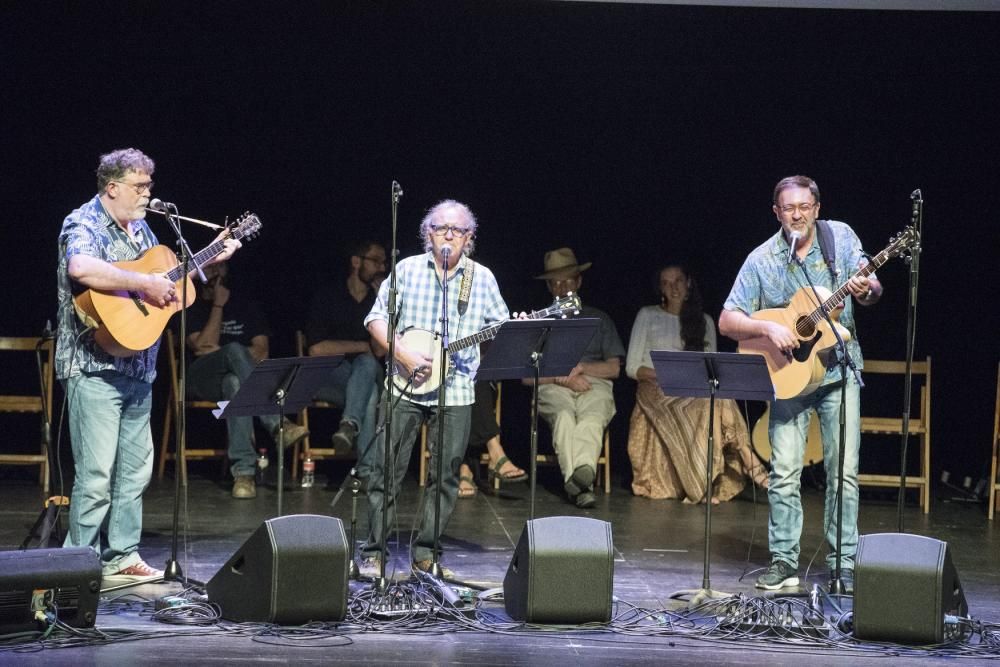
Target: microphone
x=397, y=189
x=793, y=241
x=445, y=253
x=160, y=205
x=47, y=333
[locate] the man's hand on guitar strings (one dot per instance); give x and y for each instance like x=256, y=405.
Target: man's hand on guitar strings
x=229, y=246
x=860, y=287
x=160, y=290
x=782, y=337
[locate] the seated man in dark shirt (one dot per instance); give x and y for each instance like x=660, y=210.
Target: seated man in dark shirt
x=336, y=326
x=229, y=336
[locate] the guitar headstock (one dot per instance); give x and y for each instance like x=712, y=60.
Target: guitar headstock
x=565, y=306
x=246, y=226
x=905, y=243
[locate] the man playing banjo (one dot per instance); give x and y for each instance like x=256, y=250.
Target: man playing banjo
x=473, y=302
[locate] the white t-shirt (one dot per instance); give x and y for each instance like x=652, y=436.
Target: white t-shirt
x=656, y=329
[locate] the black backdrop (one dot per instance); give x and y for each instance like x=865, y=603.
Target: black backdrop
x=632, y=133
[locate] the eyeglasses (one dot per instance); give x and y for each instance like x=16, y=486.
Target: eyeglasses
x=442, y=230
x=801, y=208
x=375, y=260
x=139, y=187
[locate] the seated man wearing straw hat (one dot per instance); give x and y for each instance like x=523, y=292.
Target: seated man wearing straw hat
x=579, y=406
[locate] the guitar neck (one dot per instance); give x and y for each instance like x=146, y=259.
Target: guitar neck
x=838, y=297
x=199, y=258
x=489, y=333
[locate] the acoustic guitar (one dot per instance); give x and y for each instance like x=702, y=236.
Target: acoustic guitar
x=125, y=321
x=801, y=371
x=428, y=343
x=761, y=440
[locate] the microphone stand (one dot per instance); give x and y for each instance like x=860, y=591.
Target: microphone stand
x=172, y=571
x=353, y=484
x=836, y=585
x=442, y=390
x=917, y=219
x=382, y=583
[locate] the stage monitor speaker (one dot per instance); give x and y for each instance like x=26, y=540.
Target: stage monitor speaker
x=904, y=587
x=562, y=572
x=291, y=570
x=67, y=580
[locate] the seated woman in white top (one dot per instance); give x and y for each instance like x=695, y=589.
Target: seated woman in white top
x=668, y=436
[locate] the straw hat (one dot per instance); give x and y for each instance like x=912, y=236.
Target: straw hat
x=561, y=263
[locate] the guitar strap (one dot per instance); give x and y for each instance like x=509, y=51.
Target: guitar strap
x=465, y=291
x=828, y=248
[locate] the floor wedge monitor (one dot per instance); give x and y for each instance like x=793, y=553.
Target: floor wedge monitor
x=291, y=570
x=906, y=590
x=561, y=572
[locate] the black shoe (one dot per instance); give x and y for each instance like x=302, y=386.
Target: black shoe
x=586, y=500
x=346, y=437
x=581, y=480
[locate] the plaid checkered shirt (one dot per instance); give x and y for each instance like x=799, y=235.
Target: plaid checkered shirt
x=419, y=306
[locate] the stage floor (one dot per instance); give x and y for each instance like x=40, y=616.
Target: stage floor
x=658, y=547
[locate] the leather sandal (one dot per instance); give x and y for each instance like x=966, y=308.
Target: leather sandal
x=496, y=474
x=466, y=492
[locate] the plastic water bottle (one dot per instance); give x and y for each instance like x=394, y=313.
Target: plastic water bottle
x=262, y=463
x=308, y=473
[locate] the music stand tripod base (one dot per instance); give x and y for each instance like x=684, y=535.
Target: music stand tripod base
x=711, y=375
x=697, y=597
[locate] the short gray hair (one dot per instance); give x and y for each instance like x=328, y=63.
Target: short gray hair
x=437, y=210
x=116, y=164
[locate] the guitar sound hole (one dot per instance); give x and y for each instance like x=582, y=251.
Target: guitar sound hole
x=804, y=327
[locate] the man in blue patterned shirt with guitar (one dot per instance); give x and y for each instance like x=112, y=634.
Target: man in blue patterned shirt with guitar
x=773, y=310
x=109, y=389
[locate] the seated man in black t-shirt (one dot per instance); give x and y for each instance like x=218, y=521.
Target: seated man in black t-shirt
x=229, y=337
x=336, y=326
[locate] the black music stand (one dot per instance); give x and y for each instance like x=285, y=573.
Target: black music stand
x=711, y=375
x=536, y=349
x=279, y=386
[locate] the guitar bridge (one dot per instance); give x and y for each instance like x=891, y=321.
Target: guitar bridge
x=137, y=300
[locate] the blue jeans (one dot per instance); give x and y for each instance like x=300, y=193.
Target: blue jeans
x=217, y=376
x=788, y=428
x=354, y=384
x=406, y=420
x=113, y=459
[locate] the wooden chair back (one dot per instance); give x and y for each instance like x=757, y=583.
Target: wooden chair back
x=31, y=402
x=919, y=426
x=308, y=451
x=170, y=350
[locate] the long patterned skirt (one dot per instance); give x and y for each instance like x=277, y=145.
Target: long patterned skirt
x=668, y=446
